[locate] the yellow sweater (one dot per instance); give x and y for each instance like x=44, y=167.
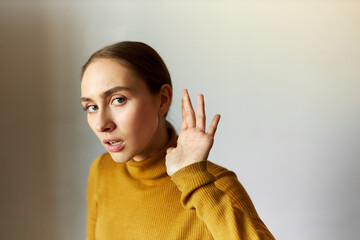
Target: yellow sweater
x=138, y=200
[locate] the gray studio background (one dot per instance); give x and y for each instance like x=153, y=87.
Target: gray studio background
x=285, y=75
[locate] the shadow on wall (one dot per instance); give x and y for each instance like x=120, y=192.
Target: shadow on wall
x=27, y=192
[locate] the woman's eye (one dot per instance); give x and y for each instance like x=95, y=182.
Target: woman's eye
x=91, y=108
x=119, y=101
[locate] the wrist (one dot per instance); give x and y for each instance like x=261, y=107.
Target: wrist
x=172, y=169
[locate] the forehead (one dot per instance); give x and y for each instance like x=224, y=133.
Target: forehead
x=103, y=74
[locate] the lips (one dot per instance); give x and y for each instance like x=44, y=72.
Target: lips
x=114, y=145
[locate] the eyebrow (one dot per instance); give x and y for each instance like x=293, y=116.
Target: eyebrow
x=108, y=93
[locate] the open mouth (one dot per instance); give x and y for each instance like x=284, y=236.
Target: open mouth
x=114, y=145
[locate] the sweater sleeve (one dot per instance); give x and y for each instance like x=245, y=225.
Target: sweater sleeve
x=91, y=198
x=220, y=202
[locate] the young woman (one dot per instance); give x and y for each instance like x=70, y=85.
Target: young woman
x=153, y=184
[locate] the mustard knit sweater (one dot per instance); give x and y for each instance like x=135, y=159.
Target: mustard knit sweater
x=138, y=200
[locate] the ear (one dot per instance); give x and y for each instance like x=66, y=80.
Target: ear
x=165, y=99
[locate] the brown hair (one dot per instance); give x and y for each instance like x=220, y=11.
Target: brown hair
x=140, y=58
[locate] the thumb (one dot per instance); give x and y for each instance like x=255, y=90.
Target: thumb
x=169, y=150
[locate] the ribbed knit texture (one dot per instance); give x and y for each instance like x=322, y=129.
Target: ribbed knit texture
x=138, y=200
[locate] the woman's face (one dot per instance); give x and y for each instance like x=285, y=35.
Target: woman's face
x=121, y=110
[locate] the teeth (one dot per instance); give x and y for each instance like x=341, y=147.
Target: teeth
x=113, y=143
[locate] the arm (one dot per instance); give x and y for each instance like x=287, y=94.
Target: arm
x=220, y=201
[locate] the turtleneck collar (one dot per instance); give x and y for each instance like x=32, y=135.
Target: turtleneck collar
x=154, y=166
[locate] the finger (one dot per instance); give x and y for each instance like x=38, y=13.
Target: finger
x=213, y=125
x=169, y=150
x=200, y=113
x=189, y=110
x=183, y=120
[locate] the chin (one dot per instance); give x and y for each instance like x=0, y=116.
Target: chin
x=119, y=158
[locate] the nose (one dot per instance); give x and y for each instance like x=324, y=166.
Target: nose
x=105, y=122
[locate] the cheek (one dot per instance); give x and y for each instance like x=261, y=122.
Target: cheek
x=91, y=124
x=144, y=120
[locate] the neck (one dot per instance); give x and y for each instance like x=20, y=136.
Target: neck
x=159, y=140
x=153, y=167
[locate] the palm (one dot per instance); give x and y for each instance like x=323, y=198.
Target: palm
x=194, y=143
